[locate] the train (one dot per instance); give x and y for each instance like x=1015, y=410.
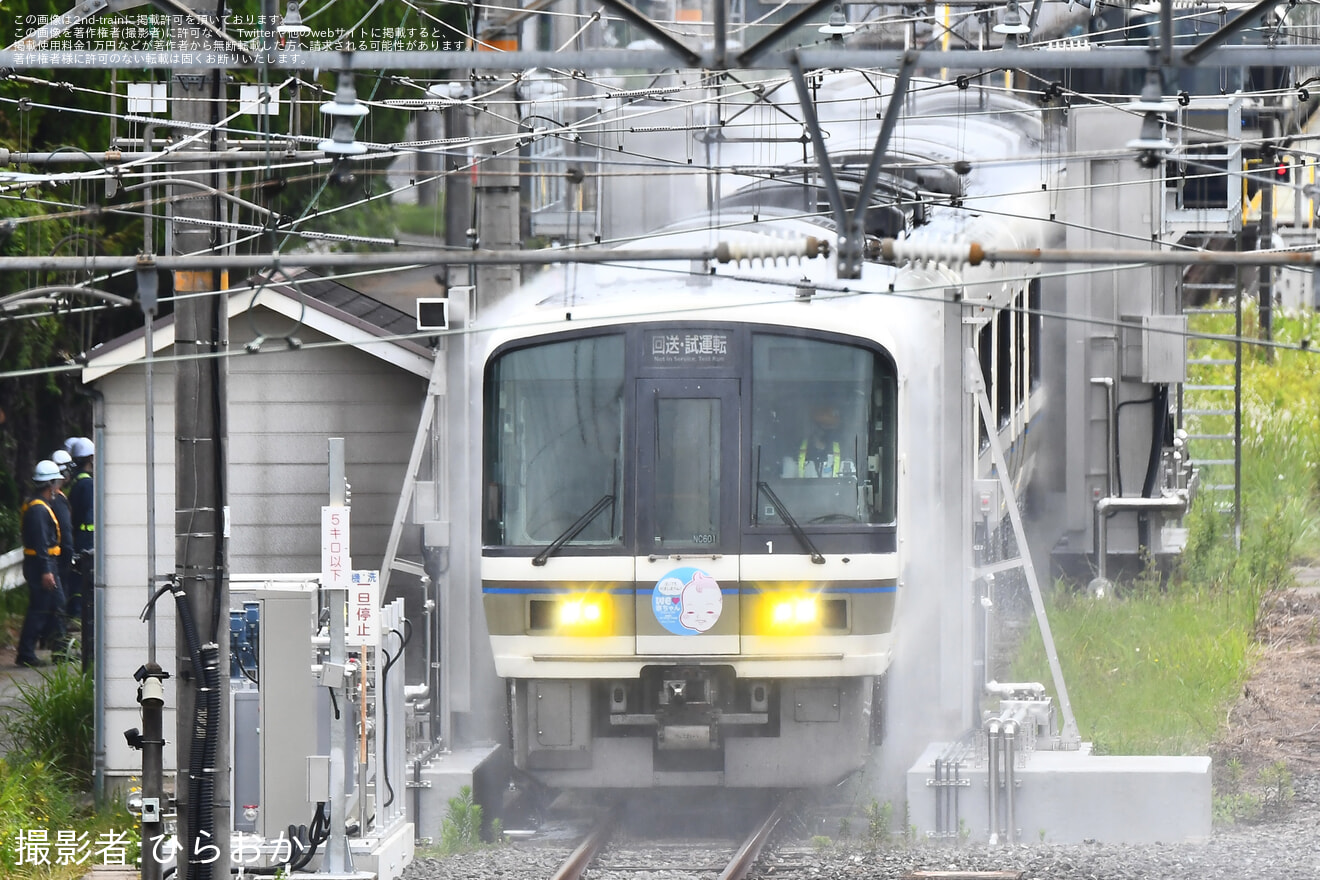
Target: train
x=729, y=511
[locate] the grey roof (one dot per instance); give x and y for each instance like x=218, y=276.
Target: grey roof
x=345, y=299
x=326, y=295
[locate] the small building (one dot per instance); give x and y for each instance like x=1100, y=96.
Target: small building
x=309, y=359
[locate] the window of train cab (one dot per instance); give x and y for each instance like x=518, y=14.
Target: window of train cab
x=554, y=445
x=823, y=437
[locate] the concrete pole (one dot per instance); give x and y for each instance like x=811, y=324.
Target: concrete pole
x=1265, y=240
x=201, y=327
x=497, y=188
x=428, y=162
x=458, y=179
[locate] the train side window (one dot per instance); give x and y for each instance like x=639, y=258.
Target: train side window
x=1035, y=334
x=985, y=348
x=1003, y=387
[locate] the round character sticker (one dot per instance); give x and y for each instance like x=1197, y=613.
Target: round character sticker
x=687, y=601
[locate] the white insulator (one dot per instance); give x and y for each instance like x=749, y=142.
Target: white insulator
x=761, y=249
x=925, y=253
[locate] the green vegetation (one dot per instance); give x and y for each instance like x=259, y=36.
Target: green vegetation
x=54, y=727
x=421, y=220
x=1154, y=670
x=44, y=813
x=879, y=819
x=13, y=605
x=460, y=831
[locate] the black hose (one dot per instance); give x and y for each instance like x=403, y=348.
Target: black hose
x=1118, y=449
x=203, y=807
x=385, y=706
x=203, y=725
x=1159, y=419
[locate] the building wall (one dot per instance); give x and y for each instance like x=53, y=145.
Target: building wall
x=284, y=405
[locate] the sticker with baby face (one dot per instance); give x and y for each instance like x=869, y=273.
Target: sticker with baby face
x=687, y=601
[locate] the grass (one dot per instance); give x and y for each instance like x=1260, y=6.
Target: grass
x=1154, y=671
x=13, y=605
x=48, y=828
x=55, y=726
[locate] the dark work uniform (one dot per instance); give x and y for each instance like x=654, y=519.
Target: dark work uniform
x=82, y=502
x=64, y=516
x=41, y=555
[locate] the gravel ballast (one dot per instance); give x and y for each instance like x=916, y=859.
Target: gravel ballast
x=1286, y=847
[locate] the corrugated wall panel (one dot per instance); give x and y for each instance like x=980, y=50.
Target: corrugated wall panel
x=283, y=407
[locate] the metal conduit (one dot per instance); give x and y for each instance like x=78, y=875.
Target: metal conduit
x=1009, y=737
x=992, y=742
x=1170, y=503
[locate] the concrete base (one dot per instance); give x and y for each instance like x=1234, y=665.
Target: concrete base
x=384, y=857
x=1064, y=797
x=485, y=769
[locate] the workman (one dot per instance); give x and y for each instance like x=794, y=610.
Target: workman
x=41, y=554
x=819, y=454
x=82, y=502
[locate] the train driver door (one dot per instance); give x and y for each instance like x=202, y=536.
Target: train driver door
x=687, y=503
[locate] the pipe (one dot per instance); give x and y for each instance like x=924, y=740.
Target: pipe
x=939, y=797
x=955, y=819
x=993, y=748
x=1009, y=738
x=1109, y=431
x=97, y=595
x=204, y=188
x=724, y=252
x=152, y=699
x=1170, y=504
x=1015, y=690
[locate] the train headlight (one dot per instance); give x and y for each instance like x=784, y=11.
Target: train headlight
x=580, y=612
x=794, y=611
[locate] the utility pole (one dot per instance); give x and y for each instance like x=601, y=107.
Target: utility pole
x=498, y=191
x=1265, y=240
x=200, y=404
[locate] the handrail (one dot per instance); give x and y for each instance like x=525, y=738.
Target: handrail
x=11, y=569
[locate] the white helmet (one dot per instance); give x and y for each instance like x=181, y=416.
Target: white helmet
x=82, y=448
x=46, y=471
x=61, y=458
x=68, y=444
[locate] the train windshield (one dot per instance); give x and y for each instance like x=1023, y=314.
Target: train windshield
x=823, y=437
x=555, y=444
x=596, y=440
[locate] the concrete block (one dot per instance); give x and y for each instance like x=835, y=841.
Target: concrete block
x=483, y=768
x=1065, y=797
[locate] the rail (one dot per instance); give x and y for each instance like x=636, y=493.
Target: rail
x=739, y=864
x=578, y=859
x=747, y=854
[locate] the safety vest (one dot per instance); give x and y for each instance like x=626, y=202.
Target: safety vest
x=828, y=468
x=51, y=551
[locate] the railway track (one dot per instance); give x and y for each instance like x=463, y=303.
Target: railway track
x=595, y=859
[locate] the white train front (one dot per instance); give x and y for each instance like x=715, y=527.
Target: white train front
x=720, y=502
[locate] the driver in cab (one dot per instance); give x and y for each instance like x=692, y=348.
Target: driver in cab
x=819, y=453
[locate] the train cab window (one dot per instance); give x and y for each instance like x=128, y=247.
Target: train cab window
x=554, y=444
x=823, y=432
x=688, y=448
